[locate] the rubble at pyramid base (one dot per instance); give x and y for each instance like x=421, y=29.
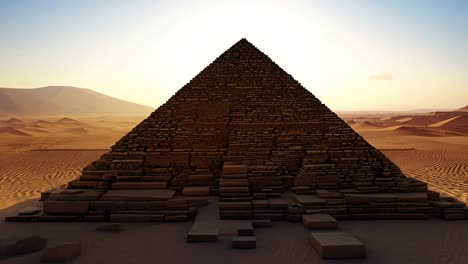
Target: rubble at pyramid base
x=92, y=199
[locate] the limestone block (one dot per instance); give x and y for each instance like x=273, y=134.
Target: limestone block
x=138, y=185
x=244, y=242
x=138, y=195
x=196, y=191
x=245, y=229
x=66, y=207
x=337, y=245
x=310, y=200
x=203, y=234
x=319, y=221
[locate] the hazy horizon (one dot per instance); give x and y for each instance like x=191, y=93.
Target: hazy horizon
x=354, y=57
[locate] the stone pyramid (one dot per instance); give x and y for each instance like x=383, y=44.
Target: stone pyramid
x=242, y=129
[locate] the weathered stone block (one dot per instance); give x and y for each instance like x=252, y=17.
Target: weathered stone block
x=337, y=245
x=66, y=207
x=196, y=191
x=244, y=242
x=319, y=221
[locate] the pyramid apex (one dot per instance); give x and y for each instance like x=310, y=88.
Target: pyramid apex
x=243, y=41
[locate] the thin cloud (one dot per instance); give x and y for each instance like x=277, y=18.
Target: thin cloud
x=381, y=77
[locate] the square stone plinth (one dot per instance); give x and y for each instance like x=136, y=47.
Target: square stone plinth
x=196, y=191
x=244, y=242
x=245, y=229
x=319, y=221
x=138, y=195
x=337, y=245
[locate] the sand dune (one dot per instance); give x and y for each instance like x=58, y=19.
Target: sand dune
x=366, y=125
x=443, y=122
x=13, y=131
x=69, y=121
x=456, y=124
x=76, y=131
x=42, y=123
x=35, y=130
x=415, y=131
x=403, y=120
x=25, y=175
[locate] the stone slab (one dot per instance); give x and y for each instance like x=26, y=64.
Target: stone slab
x=337, y=245
x=196, y=191
x=319, y=221
x=278, y=203
x=66, y=207
x=136, y=218
x=245, y=229
x=235, y=169
x=417, y=197
x=138, y=185
x=138, y=195
x=76, y=195
x=309, y=200
x=203, y=234
x=235, y=205
x=244, y=242
x=30, y=210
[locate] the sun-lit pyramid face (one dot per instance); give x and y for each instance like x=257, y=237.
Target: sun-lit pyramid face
x=244, y=109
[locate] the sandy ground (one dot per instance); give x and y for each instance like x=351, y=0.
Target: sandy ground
x=26, y=174
x=71, y=144
x=393, y=241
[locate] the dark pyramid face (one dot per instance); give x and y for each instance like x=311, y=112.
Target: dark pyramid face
x=244, y=115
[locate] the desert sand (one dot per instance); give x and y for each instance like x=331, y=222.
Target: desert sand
x=432, y=147
x=44, y=152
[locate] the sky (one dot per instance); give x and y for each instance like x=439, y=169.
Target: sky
x=352, y=55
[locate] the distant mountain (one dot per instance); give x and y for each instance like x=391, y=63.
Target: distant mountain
x=463, y=109
x=58, y=100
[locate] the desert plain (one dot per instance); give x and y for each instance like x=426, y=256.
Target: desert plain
x=39, y=153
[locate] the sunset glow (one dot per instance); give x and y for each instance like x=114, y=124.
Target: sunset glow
x=353, y=55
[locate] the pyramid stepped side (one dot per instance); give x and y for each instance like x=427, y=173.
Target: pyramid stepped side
x=244, y=108
x=247, y=130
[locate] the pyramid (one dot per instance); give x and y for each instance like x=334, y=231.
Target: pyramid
x=247, y=132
